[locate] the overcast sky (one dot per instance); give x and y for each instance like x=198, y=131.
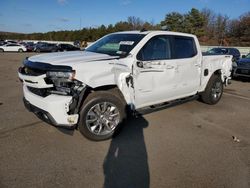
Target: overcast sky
x=29, y=16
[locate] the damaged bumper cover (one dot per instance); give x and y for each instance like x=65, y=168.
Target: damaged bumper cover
x=52, y=109
x=57, y=101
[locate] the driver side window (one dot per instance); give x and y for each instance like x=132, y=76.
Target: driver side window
x=157, y=48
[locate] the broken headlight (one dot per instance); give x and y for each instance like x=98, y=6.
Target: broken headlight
x=63, y=75
x=63, y=82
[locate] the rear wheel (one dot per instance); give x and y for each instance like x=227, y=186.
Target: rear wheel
x=1, y=50
x=213, y=91
x=101, y=115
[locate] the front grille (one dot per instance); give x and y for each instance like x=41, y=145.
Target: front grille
x=38, y=91
x=244, y=64
x=243, y=71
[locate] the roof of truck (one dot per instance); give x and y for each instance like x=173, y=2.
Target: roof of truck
x=156, y=32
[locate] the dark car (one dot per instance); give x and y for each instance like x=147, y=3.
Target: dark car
x=225, y=51
x=242, y=67
x=30, y=46
x=67, y=47
x=2, y=42
x=77, y=43
x=46, y=47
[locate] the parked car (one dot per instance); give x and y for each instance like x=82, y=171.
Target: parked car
x=120, y=73
x=12, y=48
x=2, y=42
x=67, y=47
x=77, y=43
x=30, y=46
x=22, y=43
x=242, y=67
x=11, y=41
x=46, y=47
x=225, y=51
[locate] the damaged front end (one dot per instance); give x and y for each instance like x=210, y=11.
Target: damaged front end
x=53, y=92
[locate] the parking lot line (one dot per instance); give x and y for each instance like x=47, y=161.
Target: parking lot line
x=237, y=96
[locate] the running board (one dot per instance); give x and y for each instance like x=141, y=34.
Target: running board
x=165, y=105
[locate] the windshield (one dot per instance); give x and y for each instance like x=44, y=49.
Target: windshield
x=218, y=51
x=116, y=44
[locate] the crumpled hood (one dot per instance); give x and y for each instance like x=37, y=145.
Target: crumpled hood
x=93, y=69
x=69, y=58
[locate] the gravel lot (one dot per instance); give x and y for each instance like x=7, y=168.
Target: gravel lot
x=188, y=145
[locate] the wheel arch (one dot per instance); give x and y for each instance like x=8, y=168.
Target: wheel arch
x=217, y=72
x=88, y=90
x=112, y=88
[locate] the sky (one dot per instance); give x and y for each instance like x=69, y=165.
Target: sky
x=28, y=16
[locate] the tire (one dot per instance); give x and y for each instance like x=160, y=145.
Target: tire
x=1, y=50
x=101, y=115
x=38, y=50
x=20, y=50
x=213, y=91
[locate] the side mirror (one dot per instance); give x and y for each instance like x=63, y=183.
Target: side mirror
x=139, y=64
x=244, y=56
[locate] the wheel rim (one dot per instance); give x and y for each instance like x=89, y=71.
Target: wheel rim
x=102, y=118
x=217, y=90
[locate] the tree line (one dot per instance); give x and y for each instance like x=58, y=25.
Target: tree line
x=211, y=28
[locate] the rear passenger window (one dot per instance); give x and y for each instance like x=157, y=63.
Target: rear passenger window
x=184, y=47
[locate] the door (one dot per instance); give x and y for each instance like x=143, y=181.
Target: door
x=188, y=63
x=155, y=72
x=12, y=47
x=9, y=47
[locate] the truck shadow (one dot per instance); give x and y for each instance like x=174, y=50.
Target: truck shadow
x=126, y=163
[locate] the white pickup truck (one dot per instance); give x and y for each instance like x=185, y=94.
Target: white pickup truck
x=122, y=72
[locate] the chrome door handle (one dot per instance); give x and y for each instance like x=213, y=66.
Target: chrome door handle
x=169, y=67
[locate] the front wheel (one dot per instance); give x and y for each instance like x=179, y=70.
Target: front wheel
x=20, y=50
x=213, y=91
x=101, y=115
x=1, y=50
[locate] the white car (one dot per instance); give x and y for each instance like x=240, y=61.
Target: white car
x=12, y=48
x=120, y=73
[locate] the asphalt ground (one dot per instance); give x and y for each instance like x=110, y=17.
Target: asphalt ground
x=187, y=145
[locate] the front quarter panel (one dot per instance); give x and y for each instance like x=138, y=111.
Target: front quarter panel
x=95, y=73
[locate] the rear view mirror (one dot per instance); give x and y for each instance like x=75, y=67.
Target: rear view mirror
x=244, y=56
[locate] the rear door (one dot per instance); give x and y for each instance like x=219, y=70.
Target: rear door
x=188, y=62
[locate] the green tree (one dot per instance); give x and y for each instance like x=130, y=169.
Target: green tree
x=174, y=22
x=194, y=23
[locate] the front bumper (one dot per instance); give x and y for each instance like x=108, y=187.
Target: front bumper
x=52, y=109
x=241, y=72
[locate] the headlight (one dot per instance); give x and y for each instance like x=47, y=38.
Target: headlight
x=65, y=75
